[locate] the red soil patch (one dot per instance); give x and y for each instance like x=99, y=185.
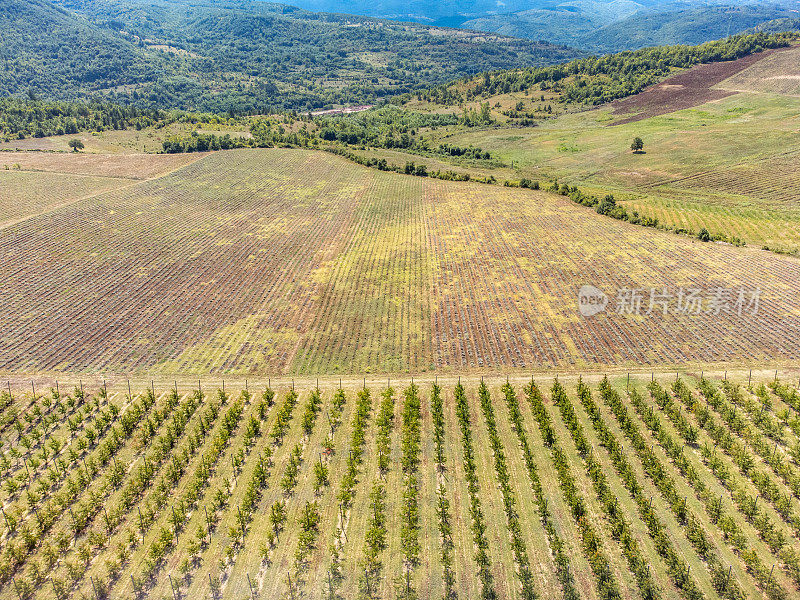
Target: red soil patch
x=684, y=90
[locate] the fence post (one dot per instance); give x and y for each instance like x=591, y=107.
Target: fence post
x=172, y=585
x=291, y=588
x=250, y=583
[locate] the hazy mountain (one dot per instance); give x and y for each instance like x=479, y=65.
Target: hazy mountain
x=626, y=25
x=693, y=26
x=418, y=9
x=597, y=25
x=571, y=21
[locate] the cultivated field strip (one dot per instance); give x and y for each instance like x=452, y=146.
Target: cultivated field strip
x=72, y=471
x=24, y=194
x=753, y=201
x=780, y=188
x=504, y=292
x=680, y=208
x=123, y=166
x=140, y=279
x=234, y=263
x=631, y=490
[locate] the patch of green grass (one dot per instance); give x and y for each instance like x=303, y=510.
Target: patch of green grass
x=741, y=133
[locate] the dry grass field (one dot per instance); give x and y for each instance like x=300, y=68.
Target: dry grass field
x=779, y=73
x=233, y=264
x=23, y=194
x=33, y=183
x=681, y=487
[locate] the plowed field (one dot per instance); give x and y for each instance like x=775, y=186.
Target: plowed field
x=280, y=261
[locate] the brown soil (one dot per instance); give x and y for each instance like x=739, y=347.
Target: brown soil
x=684, y=90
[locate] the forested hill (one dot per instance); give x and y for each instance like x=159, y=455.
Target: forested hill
x=55, y=53
x=778, y=25
x=691, y=26
x=239, y=56
x=599, y=79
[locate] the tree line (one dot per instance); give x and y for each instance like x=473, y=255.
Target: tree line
x=600, y=79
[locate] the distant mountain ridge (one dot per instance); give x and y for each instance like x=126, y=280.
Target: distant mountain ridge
x=593, y=25
x=250, y=56
x=691, y=26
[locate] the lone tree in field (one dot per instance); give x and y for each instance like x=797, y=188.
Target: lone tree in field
x=76, y=145
x=638, y=145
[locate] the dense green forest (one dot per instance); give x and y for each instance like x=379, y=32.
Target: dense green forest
x=588, y=81
x=240, y=57
x=58, y=55
x=29, y=117
x=600, y=79
x=778, y=25
x=388, y=127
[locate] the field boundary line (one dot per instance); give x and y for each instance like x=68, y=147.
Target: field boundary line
x=84, y=175
x=132, y=182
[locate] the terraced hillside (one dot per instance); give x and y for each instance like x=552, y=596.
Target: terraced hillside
x=666, y=487
x=233, y=263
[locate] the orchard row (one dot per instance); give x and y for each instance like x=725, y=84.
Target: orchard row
x=674, y=488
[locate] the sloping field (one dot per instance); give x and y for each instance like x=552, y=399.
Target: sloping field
x=750, y=180
x=128, y=166
x=729, y=166
x=689, y=88
x=34, y=182
x=675, y=488
x=294, y=261
x=778, y=73
x=23, y=193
